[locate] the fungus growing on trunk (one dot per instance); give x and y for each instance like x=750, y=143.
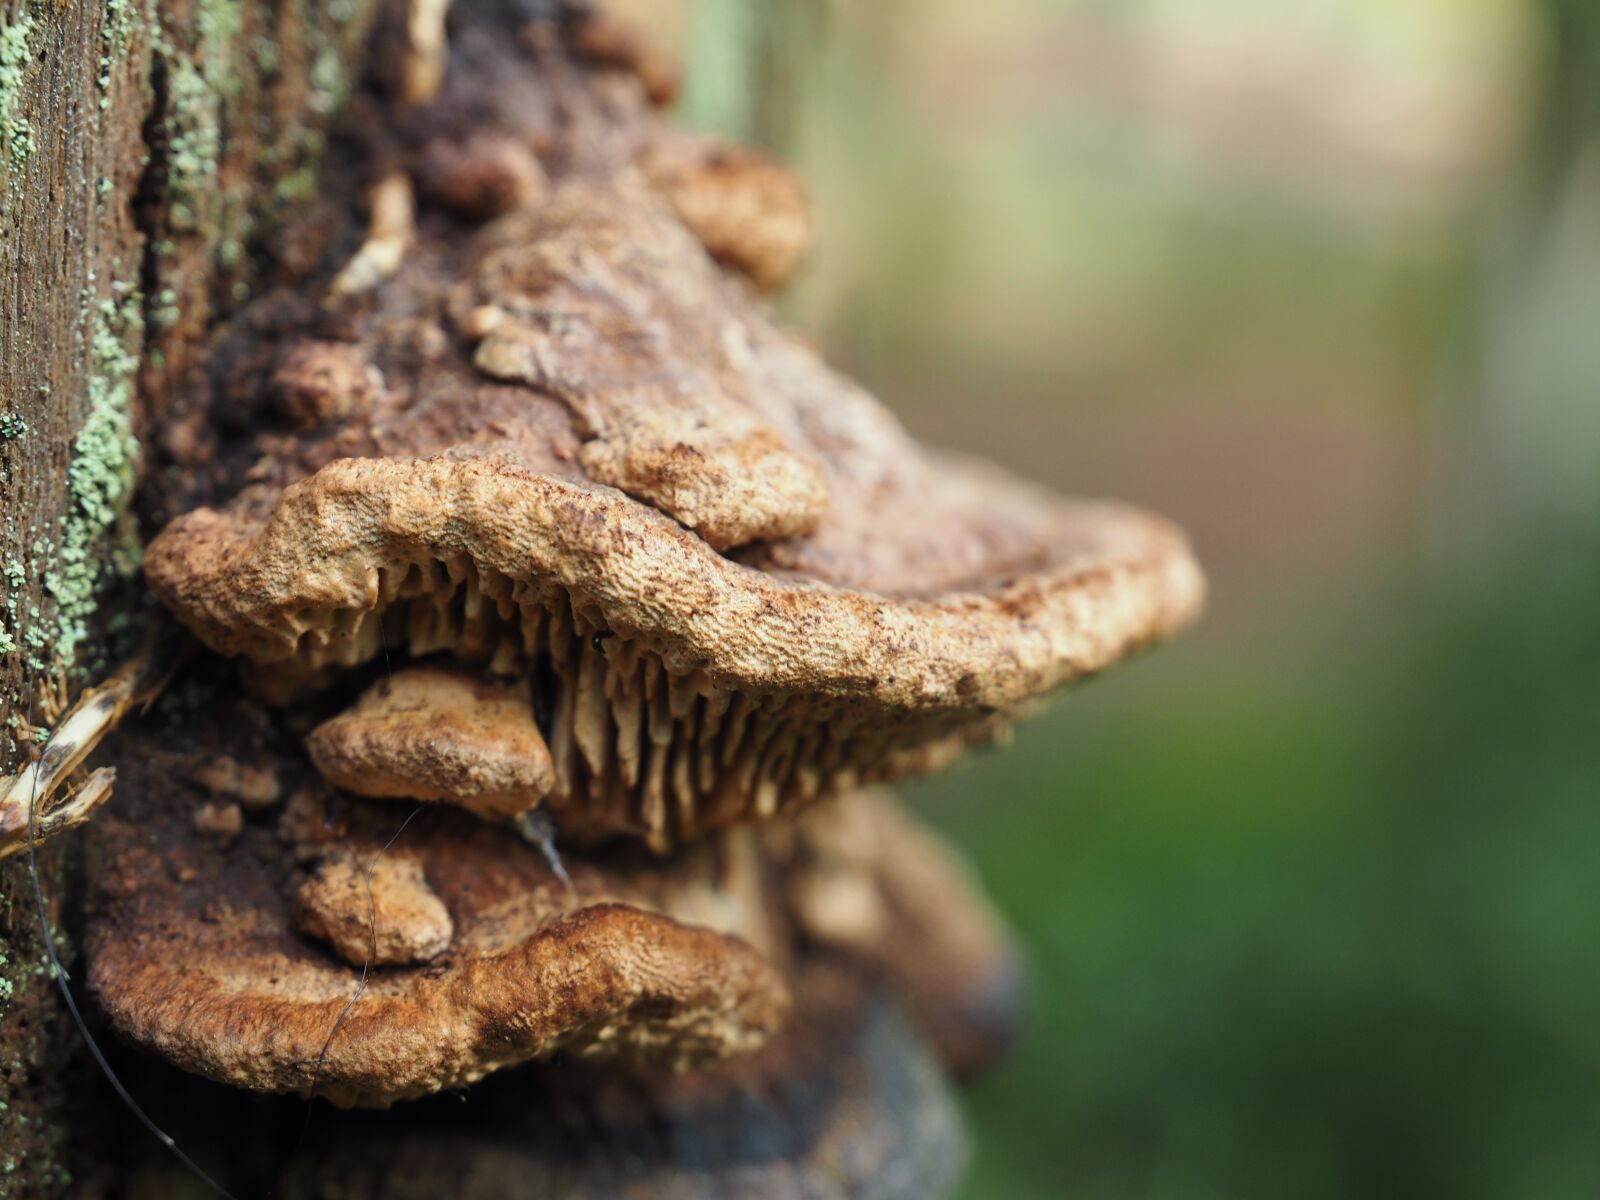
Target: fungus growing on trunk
x=514, y=501
x=866, y=879
x=744, y=206
x=844, y=1104
x=551, y=499
x=376, y=913
x=200, y=950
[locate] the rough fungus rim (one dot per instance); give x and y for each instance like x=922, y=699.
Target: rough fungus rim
x=195, y=956
x=685, y=691
x=309, y=578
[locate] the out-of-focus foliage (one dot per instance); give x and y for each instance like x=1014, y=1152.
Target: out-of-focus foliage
x=1312, y=897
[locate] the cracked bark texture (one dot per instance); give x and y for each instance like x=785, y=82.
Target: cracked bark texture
x=147, y=150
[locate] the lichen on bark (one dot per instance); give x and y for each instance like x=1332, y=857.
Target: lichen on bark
x=16, y=131
x=93, y=321
x=94, y=535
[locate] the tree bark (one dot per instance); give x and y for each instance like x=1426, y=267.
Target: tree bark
x=147, y=150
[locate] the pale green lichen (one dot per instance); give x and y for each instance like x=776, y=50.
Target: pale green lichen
x=100, y=475
x=116, y=35
x=203, y=80
x=268, y=57
x=12, y=572
x=121, y=18
x=299, y=185
x=166, y=311
x=220, y=22
x=330, y=83
x=12, y=426
x=194, y=141
x=19, y=140
x=16, y=132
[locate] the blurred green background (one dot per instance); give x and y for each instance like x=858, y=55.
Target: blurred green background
x=1313, y=896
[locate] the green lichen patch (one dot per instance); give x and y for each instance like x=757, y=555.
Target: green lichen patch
x=202, y=60
x=19, y=140
x=122, y=19
x=100, y=477
x=330, y=82
x=13, y=425
x=194, y=141
x=16, y=133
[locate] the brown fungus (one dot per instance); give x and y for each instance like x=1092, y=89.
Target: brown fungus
x=745, y=206
x=224, y=821
x=429, y=733
x=197, y=953
x=318, y=382
x=844, y=1104
x=684, y=575
x=865, y=878
x=380, y=912
x=238, y=959
x=247, y=785
x=552, y=498
x=605, y=39
x=481, y=178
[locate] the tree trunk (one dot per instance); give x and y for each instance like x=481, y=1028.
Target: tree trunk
x=147, y=148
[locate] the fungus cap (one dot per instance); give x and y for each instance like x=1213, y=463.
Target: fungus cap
x=844, y=1104
x=865, y=878
x=216, y=954
x=745, y=584
x=746, y=207
x=430, y=733
x=195, y=955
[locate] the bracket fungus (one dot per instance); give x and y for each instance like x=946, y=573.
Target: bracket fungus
x=383, y=913
x=237, y=959
x=844, y=1104
x=200, y=950
x=737, y=581
x=516, y=504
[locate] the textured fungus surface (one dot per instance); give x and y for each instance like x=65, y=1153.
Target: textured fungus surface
x=560, y=439
x=864, y=878
x=211, y=973
x=216, y=953
x=746, y=208
x=844, y=1104
x=196, y=952
x=513, y=502
x=635, y=565
x=430, y=733
x=377, y=910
